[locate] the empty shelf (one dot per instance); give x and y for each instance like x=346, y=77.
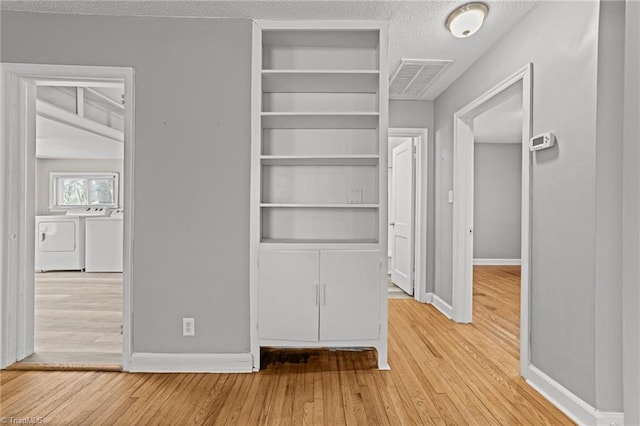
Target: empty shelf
x=316, y=241
x=320, y=206
x=330, y=37
x=320, y=81
x=314, y=120
x=310, y=160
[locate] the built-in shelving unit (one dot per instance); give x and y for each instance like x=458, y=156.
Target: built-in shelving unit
x=319, y=182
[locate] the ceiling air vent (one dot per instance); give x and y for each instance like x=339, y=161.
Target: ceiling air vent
x=414, y=76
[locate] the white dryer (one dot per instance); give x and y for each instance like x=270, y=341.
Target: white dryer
x=59, y=243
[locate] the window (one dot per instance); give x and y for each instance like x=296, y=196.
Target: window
x=83, y=190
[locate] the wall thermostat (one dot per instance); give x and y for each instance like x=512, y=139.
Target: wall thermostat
x=543, y=141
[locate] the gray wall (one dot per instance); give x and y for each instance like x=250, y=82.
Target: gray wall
x=411, y=114
x=564, y=56
x=631, y=215
x=46, y=166
x=608, y=261
x=497, y=202
x=419, y=114
x=192, y=153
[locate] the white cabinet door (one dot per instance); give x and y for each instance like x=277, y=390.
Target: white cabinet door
x=288, y=299
x=350, y=295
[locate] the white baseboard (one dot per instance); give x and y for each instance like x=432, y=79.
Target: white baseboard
x=142, y=362
x=439, y=304
x=496, y=262
x=578, y=410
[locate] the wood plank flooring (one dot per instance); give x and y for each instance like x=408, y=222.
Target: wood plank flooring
x=442, y=373
x=78, y=320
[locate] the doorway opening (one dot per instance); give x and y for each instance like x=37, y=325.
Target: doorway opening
x=407, y=183
x=68, y=210
x=491, y=212
x=78, y=225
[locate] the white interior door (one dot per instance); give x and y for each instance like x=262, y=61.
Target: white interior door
x=289, y=295
x=401, y=216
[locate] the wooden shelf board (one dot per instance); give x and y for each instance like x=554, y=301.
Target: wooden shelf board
x=320, y=120
x=310, y=160
x=320, y=81
x=318, y=241
x=319, y=71
x=320, y=206
x=340, y=38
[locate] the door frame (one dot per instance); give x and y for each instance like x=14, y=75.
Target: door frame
x=17, y=196
x=421, y=198
x=463, y=192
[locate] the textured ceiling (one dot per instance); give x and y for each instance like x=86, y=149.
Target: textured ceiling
x=416, y=29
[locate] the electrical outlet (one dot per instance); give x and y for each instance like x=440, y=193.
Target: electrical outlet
x=188, y=326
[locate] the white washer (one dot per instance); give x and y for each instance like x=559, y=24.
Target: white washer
x=103, y=244
x=59, y=243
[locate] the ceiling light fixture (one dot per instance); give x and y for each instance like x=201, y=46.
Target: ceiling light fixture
x=467, y=19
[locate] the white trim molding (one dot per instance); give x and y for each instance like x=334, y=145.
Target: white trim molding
x=143, y=362
x=439, y=304
x=254, y=210
x=570, y=404
x=496, y=262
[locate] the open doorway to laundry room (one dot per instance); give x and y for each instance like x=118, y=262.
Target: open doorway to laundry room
x=78, y=256
x=69, y=268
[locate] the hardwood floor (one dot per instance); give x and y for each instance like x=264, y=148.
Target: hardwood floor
x=496, y=305
x=78, y=321
x=442, y=373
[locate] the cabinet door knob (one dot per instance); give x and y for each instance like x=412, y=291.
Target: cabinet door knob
x=317, y=289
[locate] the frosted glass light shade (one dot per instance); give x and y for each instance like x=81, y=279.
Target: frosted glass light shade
x=467, y=20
